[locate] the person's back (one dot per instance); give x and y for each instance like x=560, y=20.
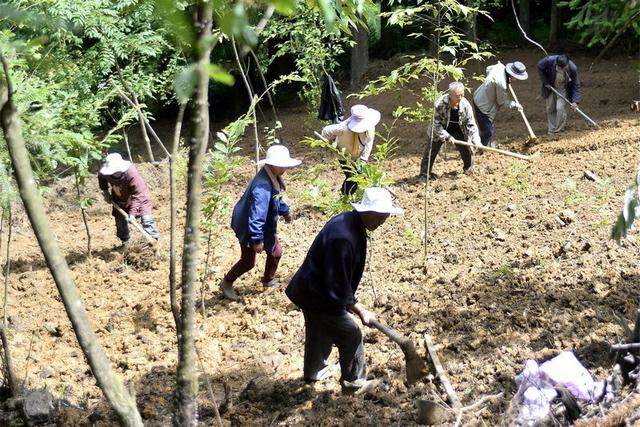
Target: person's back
x=332, y=269
x=490, y=95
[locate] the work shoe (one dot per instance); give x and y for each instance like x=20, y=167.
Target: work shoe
x=271, y=284
x=227, y=290
x=359, y=387
x=469, y=170
x=323, y=373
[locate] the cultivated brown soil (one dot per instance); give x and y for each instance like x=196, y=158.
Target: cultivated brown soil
x=503, y=280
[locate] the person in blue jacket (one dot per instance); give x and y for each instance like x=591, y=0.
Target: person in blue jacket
x=324, y=288
x=255, y=220
x=561, y=73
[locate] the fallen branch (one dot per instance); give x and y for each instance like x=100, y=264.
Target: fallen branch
x=591, y=176
x=476, y=405
x=442, y=375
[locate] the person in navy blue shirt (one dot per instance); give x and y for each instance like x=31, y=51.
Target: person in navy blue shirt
x=559, y=72
x=255, y=220
x=324, y=288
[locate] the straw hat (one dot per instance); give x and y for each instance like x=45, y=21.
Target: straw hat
x=278, y=155
x=376, y=199
x=114, y=163
x=517, y=70
x=362, y=118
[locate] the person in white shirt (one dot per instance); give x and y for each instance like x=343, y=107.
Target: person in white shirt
x=493, y=94
x=355, y=136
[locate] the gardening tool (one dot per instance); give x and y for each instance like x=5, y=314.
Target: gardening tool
x=495, y=150
x=415, y=365
x=532, y=136
x=577, y=109
x=132, y=220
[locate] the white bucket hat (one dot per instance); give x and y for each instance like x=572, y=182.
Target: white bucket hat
x=362, y=118
x=114, y=163
x=376, y=199
x=278, y=155
x=517, y=70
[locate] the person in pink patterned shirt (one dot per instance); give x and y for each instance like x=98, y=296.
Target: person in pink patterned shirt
x=129, y=191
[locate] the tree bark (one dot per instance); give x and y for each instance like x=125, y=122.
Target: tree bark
x=116, y=394
x=359, y=54
x=554, y=25
x=387, y=33
x=187, y=413
x=175, y=309
x=525, y=15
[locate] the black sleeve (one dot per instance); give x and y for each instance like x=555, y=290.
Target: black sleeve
x=338, y=265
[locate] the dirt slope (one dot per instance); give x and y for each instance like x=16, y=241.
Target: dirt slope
x=503, y=279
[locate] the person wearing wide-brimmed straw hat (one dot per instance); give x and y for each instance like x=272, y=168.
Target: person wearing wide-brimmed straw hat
x=493, y=94
x=324, y=288
x=129, y=191
x=355, y=136
x=255, y=220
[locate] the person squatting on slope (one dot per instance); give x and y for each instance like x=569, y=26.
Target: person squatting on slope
x=355, y=135
x=130, y=192
x=255, y=220
x=561, y=73
x=493, y=94
x=453, y=119
x=324, y=288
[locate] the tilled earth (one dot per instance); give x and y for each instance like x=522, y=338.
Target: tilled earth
x=518, y=264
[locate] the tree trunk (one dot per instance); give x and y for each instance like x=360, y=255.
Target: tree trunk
x=525, y=15
x=116, y=394
x=175, y=309
x=554, y=25
x=359, y=54
x=187, y=413
x=145, y=138
x=387, y=33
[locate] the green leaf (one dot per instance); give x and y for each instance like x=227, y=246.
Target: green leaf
x=220, y=75
x=185, y=83
x=284, y=7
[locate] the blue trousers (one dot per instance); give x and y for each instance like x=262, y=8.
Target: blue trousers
x=486, y=127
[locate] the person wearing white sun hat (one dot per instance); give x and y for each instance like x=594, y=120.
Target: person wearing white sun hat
x=255, y=220
x=324, y=288
x=355, y=136
x=129, y=191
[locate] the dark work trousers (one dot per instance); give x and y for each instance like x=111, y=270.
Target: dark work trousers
x=486, y=127
x=321, y=333
x=426, y=165
x=248, y=261
x=122, y=227
x=348, y=187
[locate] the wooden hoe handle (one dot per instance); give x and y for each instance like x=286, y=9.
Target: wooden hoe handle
x=526, y=122
x=126, y=216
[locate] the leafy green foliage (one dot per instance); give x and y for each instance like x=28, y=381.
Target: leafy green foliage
x=311, y=45
x=435, y=22
x=598, y=21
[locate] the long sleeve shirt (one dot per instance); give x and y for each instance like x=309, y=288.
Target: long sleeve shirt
x=255, y=216
x=493, y=93
x=129, y=191
x=548, y=71
x=329, y=276
x=467, y=122
x=358, y=145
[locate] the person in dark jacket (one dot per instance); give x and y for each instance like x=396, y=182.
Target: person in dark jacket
x=255, y=220
x=561, y=73
x=129, y=191
x=324, y=288
x=330, y=108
